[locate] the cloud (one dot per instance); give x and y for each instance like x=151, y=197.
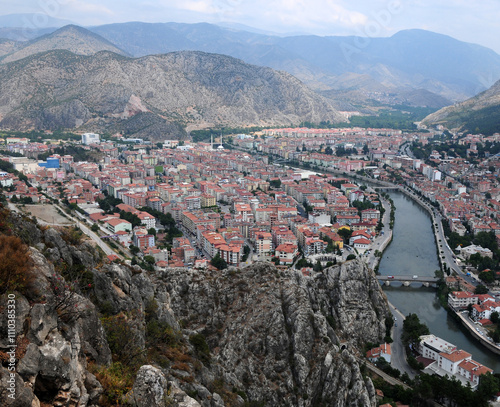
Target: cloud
x=462, y=19
x=294, y=15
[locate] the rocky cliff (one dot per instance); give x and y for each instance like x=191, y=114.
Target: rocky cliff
x=59, y=89
x=91, y=333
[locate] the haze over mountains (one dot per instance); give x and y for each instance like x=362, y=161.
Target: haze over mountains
x=411, y=59
x=413, y=67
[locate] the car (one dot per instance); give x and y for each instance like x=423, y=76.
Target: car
x=390, y=276
x=415, y=277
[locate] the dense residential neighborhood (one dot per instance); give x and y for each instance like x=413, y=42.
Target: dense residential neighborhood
x=236, y=199
x=281, y=195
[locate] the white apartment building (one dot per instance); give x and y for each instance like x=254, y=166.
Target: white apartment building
x=90, y=138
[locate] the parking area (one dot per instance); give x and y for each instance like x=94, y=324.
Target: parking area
x=47, y=214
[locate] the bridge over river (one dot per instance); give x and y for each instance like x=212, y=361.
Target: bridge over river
x=407, y=280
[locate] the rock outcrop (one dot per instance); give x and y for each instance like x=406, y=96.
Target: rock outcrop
x=254, y=334
x=284, y=338
x=55, y=338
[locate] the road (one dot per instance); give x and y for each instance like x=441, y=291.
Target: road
x=385, y=376
x=105, y=248
x=383, y=237
x=398, y=357
x=446, y=253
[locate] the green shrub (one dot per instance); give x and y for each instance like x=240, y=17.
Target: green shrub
x=201, y=347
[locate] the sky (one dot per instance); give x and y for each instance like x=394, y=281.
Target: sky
x=466, y=20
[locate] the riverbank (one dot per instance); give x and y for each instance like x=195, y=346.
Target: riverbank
x=413, y=251
x=472, y=329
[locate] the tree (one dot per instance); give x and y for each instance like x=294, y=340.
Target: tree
x=302, y=263
x=488, y=386
x=131, y=217
x=16, y=267
x=494, y=317
x=413, y=329
x=94, y=228
x=218, y=262
x=366, y=150
x=345, y=234
x=149, y=259
x=487, y=276
x=496, y=336
x=152, y=231
x=351, y=257
x=330, y=248
x=318, y=266
x=275, y=183
x=134, y=250
x=481, y=289
x=328, y=150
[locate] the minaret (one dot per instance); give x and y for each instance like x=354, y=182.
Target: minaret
x=211, y=141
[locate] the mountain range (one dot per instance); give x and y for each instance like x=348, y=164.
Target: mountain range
x=409, y=60
x=155, y=95
x=411, y=68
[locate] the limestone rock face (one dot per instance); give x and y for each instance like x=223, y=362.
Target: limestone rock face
x=288, y=340
x=151, y=389
x=54, y=342
x=257, y=334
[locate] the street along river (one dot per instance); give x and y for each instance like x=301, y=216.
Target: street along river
x=413, y=252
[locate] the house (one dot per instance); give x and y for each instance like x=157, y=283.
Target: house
x=368, y=214
x=286, y=252
x=431, y=346
x=116, y=225
x=484, y=310
x=148, y=220
x=263, y=243
x=361, y=244
x=448, y=360
x=461, y=299
x=142, y=239
x=382, y=351
x=472, y=371
x=231, y=253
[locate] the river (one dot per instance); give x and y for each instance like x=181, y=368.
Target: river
x=413, y=252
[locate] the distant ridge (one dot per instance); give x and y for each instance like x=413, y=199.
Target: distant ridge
x=480, y=114
x=71, y=37
x=410, y=59
x=152, y=96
